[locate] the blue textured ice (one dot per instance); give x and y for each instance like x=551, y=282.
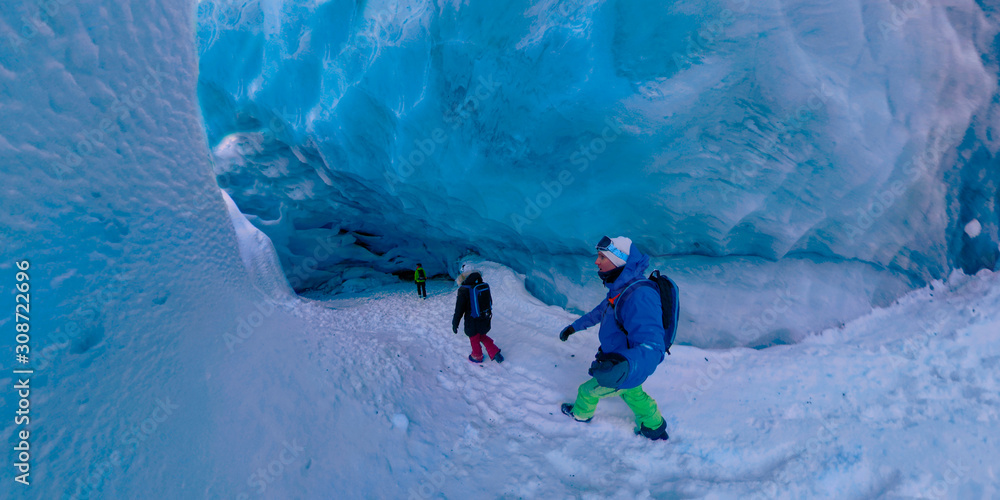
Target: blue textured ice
x=854, y=134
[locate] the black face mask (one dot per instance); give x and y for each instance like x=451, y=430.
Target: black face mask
x=612, y=275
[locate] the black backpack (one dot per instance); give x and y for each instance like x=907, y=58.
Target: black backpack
x=669, y=303
x=480, y=300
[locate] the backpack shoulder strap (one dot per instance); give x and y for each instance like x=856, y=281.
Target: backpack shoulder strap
x=621, y=298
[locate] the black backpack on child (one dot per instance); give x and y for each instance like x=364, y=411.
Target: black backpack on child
x=480, y=300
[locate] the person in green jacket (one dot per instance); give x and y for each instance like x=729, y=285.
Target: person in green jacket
x=420, y=277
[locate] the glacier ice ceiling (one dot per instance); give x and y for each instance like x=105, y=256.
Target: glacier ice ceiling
x=379, y=134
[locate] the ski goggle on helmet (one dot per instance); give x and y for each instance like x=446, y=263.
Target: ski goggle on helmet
x=606, y=245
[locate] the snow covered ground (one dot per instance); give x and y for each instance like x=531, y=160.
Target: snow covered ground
x=901, y=403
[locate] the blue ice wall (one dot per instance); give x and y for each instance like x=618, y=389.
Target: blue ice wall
x=378, y=134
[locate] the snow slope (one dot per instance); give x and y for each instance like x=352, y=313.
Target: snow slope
x=901, y=403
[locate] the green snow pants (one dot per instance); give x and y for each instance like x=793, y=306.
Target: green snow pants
x=644, y=407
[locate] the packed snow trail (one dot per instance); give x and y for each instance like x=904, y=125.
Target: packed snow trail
x=898, y=404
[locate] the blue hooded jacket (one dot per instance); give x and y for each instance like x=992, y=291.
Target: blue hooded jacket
x=642, y=316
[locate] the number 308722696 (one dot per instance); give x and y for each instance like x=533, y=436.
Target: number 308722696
x=23, y=300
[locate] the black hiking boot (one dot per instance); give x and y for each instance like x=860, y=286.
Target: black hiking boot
x=654, y=434
x=498, y=358
x=567, y=409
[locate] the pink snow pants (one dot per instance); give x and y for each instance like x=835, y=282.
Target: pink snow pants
x=477, y=352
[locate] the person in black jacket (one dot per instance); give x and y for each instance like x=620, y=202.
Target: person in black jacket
x=475, y=328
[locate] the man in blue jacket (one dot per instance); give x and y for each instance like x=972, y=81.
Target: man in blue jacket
x=623, y=362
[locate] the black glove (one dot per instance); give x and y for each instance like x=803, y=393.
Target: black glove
x=569, y=330
x=454, y=329
x=609, y=369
